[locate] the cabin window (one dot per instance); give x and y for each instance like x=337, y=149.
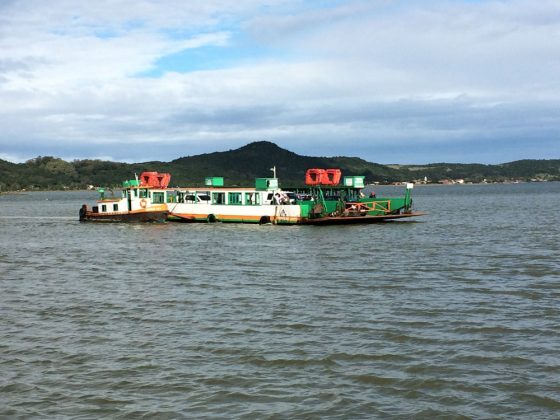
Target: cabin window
x=218, y=198
x=252, y=198
x=190, y=198
x=184, y=197
x=143, y=193
x=135, y=193
x=158, y=197
x=203, y=196
x=234, y=198
x=115, y=207
x=103, y=208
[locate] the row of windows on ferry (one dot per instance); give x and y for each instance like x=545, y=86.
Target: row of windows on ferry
x=231, y=198
x=207, y=197
x=104, y=208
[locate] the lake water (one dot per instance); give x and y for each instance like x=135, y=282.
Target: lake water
x=456, y=315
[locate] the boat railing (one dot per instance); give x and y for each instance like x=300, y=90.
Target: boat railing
x=381, y=205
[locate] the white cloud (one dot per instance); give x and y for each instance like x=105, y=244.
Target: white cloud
x=358, y=76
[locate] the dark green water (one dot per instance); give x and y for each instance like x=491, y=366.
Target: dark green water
x=457, y=315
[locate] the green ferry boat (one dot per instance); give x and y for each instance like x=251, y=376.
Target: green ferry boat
x=323, y=201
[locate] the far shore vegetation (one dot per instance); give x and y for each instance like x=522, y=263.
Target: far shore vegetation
x=241, y=166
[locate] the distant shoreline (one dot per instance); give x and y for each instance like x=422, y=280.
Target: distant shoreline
x=368, y=186
x=255, y=160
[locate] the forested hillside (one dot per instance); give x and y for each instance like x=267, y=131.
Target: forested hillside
x=241, y=166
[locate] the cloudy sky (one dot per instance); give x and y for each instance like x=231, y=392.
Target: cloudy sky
x=391, y=81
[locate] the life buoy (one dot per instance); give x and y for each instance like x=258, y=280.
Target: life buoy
x=143, y=203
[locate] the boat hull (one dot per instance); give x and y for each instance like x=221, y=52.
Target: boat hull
x=126, y=217
x=348, y=220
x=260, y=214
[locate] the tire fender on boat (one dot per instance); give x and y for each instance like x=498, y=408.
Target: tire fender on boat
x=211, y=218
x=143, y=203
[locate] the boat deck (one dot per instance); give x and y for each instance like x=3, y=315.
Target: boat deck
x=344, y=220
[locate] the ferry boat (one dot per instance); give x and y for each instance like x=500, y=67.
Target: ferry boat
x=142, y=200
x=323, y=201
x=265, y=203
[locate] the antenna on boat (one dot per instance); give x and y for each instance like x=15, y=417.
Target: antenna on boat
x=273, y=169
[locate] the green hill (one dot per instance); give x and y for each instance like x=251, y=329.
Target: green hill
x=241, y=166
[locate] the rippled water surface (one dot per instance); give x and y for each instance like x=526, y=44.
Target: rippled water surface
x=455, y=315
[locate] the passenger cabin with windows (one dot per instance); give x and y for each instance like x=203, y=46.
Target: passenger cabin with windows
x=265, y=203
